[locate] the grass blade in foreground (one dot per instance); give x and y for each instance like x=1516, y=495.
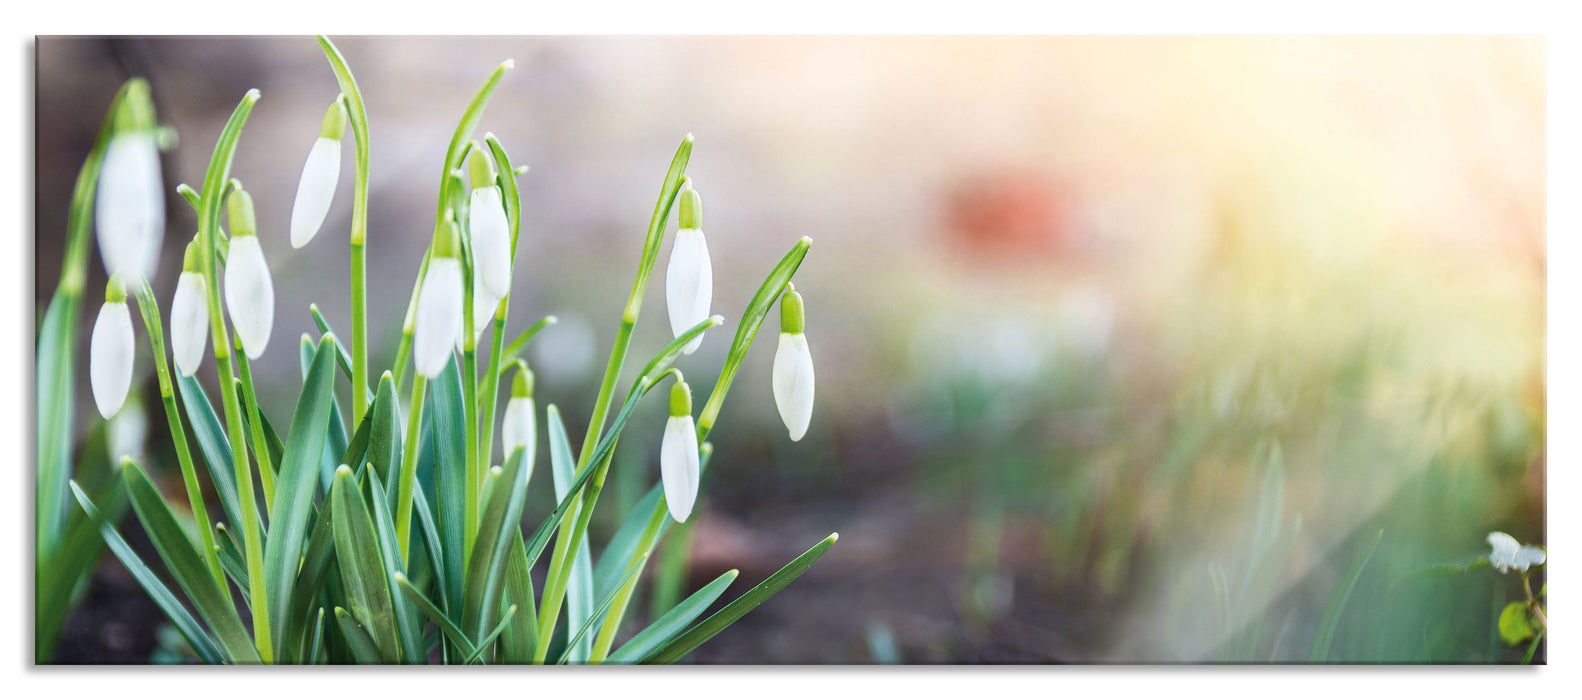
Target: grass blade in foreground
x=671, y=623
x=1337, y=605
x=684, y=644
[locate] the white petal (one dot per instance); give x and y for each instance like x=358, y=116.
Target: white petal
x=517, y=428
x=129, y=432
x=793, y=383
x=189, y=322
x=315, y=190
x=438, y=316
x=1504, y=555
x=249, y=294
x=678, y=466
x=130, y=206
x=110, y=354
x=689, y=284
x=1529, y=555
x=491, y=240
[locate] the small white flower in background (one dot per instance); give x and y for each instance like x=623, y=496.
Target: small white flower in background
x=518, y=426
x=488, y=228
x=249, y=290
x=1509, y=554
x=322, y=171
x=793, y=370
x=129, y=431
x=689, y=279
x=189, y=315
x=438, y=321
x=130, y=205
x=110, y=351
x=678, y=454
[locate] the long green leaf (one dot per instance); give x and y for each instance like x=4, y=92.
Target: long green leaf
x=682, y=645
x=483, y=644
x=335, y=443
x=408, y=624
x=500, y=517
x=212, y=443
x=671, y=623
x=294, y=488
x=184, y=562
x=385, y=434
x=363, y=571
x=311, y=578
x=623, y=546
x=446, y=411
x=574, y=646
x=358, y=641
x=441, y=622
x=1337, y=604
x=518, y=643
x=342, y=358
x=200, y=641
x=579, y=585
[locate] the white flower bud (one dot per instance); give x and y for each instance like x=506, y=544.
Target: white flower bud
x=689, y=284
x=793, y=383
x=249, y=294
x=678, y=466
x=110, y=353
x=1509, y=554
x=517, y=427
x=189, y=322
x=491, y=241
x=315, y=190
x=484, y=305
x=438, y=321
x=130, y=208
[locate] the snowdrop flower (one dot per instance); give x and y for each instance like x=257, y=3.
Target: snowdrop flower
x=487, y=226
x=316, y=189
x=249, y=290
x=793, y=370
x=518, y=427
x=484, y=305
x=689, y=279
x=130, y=206
x=439, y=310
x=110, y=351
x=678, y=454
x=189, y=315
x=1509, y=554
x=129, y=430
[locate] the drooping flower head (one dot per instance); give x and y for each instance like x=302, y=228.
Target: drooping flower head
x=678, y=454
x=487, y=226
x=249, y=288
x=793, y=370
x=110, y=351
x=1509, y=554
x=320, y=174
x=189, y=314
x=130, y=204
x=689, y=278
x=439, y=304
x=518, y=427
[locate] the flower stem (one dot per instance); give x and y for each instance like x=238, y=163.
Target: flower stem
x=408, y=476
x=357, y=115
x=178, y=435
x=488, y=400
x=266, y=467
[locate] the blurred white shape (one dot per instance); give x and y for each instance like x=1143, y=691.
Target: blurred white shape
x=1087, y=319
x=1509, y=554
x=566, y=351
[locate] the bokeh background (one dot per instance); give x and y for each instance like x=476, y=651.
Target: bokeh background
x=1127, y=347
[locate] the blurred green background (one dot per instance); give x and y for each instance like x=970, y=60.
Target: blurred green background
x=1127, y=348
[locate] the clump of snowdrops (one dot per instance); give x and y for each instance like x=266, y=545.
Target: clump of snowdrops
x=347, y=557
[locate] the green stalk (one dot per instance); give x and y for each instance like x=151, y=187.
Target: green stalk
x=208, y=230
x=178, y=435
x=414, y=426
x=469, y=393
x=358, y=116
x=488, y=401
x=612, y=620
x=266, y=467
x=559, y=571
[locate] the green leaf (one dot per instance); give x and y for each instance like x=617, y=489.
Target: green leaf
x=271, y=438
x=518, y=644
x=682, y=645
x=385, y=434
x=335, y=443
x=184, y=562
x=576, y=651
x=483, y=644
x=363, y=570
x=318, y=638
x=231, y=562
x=200, y=641
x=212, y=443
x=295, y=486
x=514, y=350
x=361, y=645
x=1453, y=568
x=311, y=579
x=579, y=585
x=425, y=518
x=219, y=171
x=60, y=572
x=499, y=518
x=1516, y=624
x=671, y=623
x=446, y=411
x=1337, y=604
x=440, y=620
x=342, y=358
x=622, y=548
x=409, y=629
x=464, y=129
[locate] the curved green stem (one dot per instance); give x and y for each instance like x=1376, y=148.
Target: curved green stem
x=266, y=467
x=358, y=116
x=408, y=477
x=178, y=435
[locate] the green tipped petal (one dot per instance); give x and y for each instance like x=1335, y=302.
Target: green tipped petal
x=691, y=210
x=239, y=208
x=680, y=399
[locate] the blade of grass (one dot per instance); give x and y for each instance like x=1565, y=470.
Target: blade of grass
x=671, y=623
x=1337, y=604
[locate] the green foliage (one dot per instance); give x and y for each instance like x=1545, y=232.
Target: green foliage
x=1516, y=624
